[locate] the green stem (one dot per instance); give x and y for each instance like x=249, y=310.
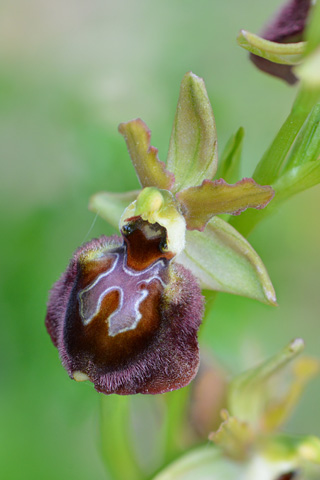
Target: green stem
x=177, y=404
x=117, y=450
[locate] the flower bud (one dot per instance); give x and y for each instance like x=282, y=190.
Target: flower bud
x=124, y=316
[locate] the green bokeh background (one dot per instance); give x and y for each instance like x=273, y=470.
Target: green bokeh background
x=70, y=72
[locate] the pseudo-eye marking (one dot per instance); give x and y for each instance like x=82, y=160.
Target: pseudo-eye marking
x=127, y=282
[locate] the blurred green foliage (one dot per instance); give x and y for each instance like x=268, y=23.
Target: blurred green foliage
x=69, y=73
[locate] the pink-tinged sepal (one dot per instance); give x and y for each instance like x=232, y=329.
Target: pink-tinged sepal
x=199, y=204
x=126, y=318
x=149, y=169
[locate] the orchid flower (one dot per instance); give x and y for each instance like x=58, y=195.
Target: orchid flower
x=126, y=312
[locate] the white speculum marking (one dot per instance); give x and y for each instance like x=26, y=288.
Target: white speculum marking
x=128, y=283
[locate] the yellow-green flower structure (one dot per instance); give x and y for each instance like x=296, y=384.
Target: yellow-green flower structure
x=249, y=444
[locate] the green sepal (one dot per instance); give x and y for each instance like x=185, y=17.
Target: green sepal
x=110, y=206
x=250, y=392
x=280, y=408
x=199, y=204
x=229, y=164
x=224, y=261
x=283, y=53
x=193, y=154
x=150, y=171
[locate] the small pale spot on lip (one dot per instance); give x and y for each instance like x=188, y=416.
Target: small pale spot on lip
x=80, y=376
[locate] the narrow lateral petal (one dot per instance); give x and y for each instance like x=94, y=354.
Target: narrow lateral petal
x=110, y=206
x=150, y=171
x=229, y=164
x=223, y=260
x=200, y=204
x=193, y=155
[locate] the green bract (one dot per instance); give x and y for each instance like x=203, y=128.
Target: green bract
x=184, y=197
x=290, y=39
x=283, y=53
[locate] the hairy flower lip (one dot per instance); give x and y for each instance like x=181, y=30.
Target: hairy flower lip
x=159, y=352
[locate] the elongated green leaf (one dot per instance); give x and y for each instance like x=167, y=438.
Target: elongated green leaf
x=229, y=165
x=201, y=203
x=150, y=171
x=283, y=53
x=193, y=153
x=294, y=181
x=110, y=206
x=269, y=167
x=223, y=260
x=307, y=145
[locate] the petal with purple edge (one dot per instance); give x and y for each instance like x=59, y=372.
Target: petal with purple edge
x=200, y=204
x=110, y=206
x=193, y=154
x=150, y=171
x=223, y=260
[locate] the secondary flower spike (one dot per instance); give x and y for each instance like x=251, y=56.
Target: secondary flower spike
x=126, y=312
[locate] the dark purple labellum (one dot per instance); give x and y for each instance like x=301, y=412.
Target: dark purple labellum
x=125, y=316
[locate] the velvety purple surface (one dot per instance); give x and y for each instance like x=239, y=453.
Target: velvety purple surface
x=168, y=359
